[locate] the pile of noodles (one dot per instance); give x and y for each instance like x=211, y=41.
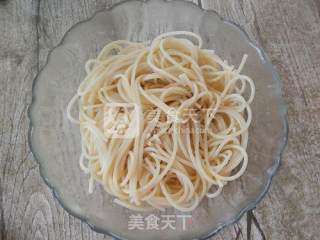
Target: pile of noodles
x=162, y=125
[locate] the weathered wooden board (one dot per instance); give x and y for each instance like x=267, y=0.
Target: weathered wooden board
x=289, y=31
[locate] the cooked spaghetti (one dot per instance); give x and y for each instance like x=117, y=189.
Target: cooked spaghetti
x=163, y=125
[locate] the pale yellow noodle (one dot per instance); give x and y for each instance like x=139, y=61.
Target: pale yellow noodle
x=174, y=159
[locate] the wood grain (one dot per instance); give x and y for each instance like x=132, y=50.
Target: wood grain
x=289, y=31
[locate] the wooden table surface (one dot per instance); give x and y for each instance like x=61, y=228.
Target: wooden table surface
x=288, y=30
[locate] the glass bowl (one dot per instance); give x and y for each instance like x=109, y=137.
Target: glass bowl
x=55, y=141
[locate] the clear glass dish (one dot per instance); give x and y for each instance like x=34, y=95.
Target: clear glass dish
x=55, y=142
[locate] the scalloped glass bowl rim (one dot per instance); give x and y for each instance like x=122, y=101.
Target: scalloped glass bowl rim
x=282, y=111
